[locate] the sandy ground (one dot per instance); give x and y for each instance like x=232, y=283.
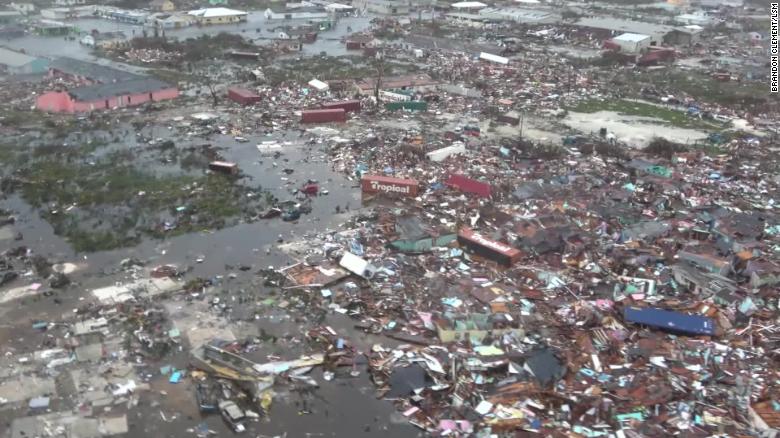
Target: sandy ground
x=635, y=131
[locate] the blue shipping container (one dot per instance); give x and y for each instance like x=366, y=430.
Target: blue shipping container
x=670, y=321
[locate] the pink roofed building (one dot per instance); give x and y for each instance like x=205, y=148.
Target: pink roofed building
x=101, y=88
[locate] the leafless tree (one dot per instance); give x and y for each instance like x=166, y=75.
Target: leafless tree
x=378, y=63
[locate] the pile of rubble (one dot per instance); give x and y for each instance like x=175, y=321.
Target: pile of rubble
x=589, y=295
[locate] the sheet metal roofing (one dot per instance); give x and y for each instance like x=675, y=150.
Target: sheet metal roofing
x=14, y=59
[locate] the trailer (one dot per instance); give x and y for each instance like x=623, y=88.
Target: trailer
x=324, y=116
x=243, y=96
x=346, y=105
x=499, y=252
x=468, y=185
x=669, y=321
x=224, y=167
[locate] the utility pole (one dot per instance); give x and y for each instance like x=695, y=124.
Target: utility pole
x=522, y=119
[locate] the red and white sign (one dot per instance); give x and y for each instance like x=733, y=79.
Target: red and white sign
x=389, y=185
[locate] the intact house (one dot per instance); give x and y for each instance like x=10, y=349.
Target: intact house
x=339, y=9
x=699, y=19
x=123, y=15
x=162, y=6
x=68, y=13
x=383, y=7
x=520, y=15
x=104, y=40
x=52, y=28
x=163, y=20
x=310, y=13
x=100, y=87
x=209, y=16
x=607, y=27
x=16, y=63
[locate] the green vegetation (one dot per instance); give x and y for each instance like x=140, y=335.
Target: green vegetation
x=10, y=117
x=303, y=69
x=9, y=153
x=750, y=95
x=631, y=108
x=112, y=201
x=172, y=76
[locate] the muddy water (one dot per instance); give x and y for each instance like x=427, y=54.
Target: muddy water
x=346, y=406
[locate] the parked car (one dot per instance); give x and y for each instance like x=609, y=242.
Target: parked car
x=233, y=415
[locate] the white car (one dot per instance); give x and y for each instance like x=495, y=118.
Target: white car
x=233, y=415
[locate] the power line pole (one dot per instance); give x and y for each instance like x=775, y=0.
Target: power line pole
x=522, y=119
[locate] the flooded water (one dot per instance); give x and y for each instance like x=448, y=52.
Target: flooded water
x=242, y=244
x=256, y=29
x=345, y=406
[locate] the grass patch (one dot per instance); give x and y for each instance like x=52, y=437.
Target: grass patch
x=630, y=108
x=331, y=68
x=749, y=95
x=9, y=153
x=112, y=204
x=15, y=118
x=172, y=76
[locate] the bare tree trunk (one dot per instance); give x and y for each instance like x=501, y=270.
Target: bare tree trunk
x=213, y=93
x=380, y=72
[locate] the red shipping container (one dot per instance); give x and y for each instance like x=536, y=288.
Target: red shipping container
x=243, y=96
x=346, y=105
x=386, y=184
x=497, y=251
x=353, y=45
x=324, y=116
x=469, y=185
